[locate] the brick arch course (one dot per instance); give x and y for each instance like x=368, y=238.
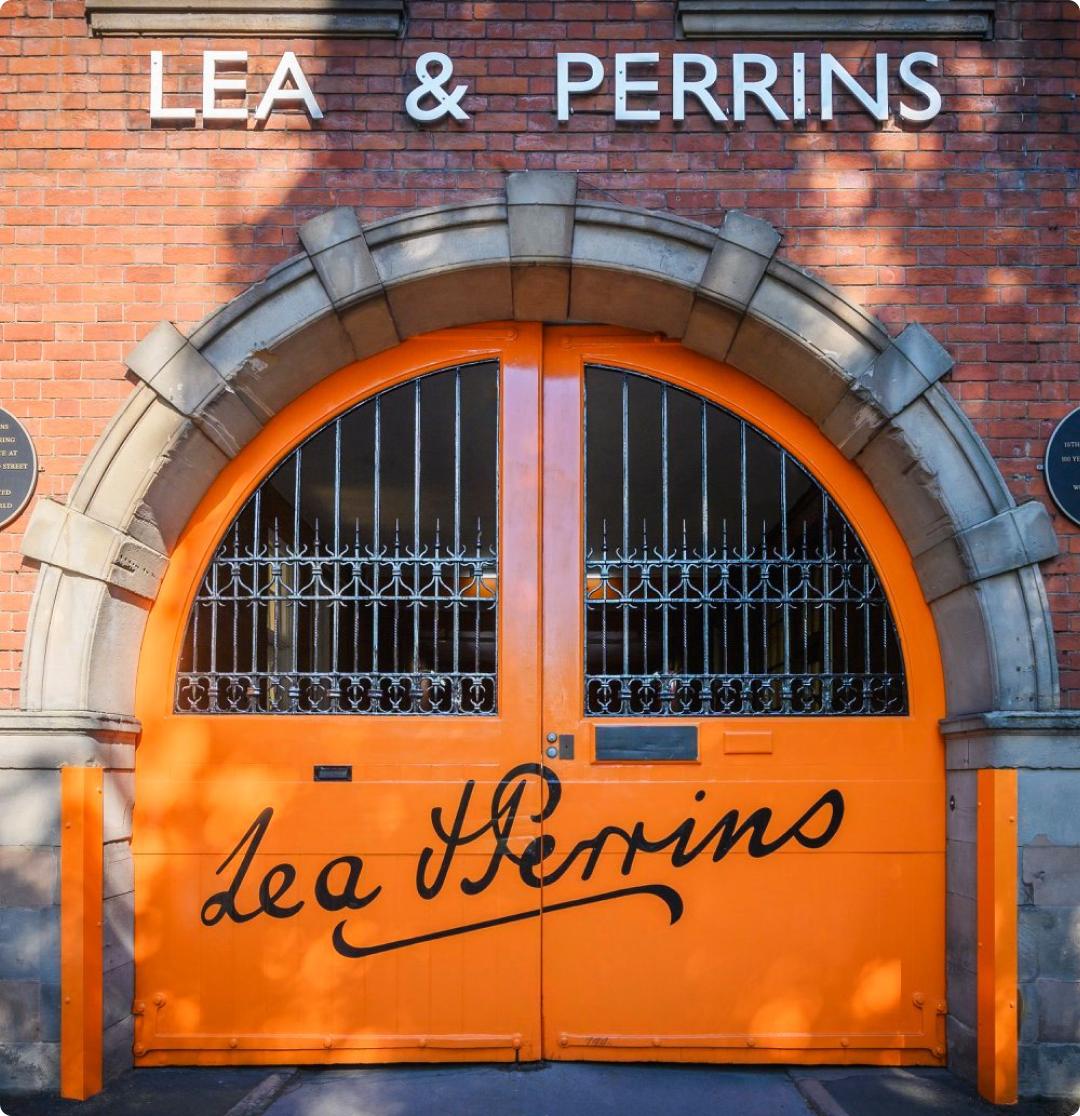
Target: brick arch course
x=538, y=254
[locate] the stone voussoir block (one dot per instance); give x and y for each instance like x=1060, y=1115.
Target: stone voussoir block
x=744, y=248
x=340, y=254
x=167, y=361
x=910, y=365
x=70, y=540
x=540, y=215
x=1020, y=536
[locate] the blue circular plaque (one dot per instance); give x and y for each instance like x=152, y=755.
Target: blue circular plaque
x=1062, y=469
x=18, y=467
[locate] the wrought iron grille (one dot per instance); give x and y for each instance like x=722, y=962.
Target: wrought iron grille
x=721, y=578
x=362, y=575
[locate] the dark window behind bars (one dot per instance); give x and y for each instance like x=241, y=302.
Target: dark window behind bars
x=720, y=577
x=362, y=575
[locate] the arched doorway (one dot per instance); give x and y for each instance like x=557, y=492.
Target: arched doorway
x=613, y=773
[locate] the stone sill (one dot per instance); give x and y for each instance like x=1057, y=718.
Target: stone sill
x=312, y=19
x=835, y=19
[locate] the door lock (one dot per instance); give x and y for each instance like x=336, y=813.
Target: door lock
x=565, y=742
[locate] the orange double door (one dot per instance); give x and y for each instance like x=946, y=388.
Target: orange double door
x=672, y=792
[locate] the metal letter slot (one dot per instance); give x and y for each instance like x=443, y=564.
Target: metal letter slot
x=646, y=743
x=333, y=773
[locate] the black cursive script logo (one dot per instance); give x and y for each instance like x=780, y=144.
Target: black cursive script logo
x=540, y=863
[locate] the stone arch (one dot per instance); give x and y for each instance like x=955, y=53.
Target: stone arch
x=539, y=253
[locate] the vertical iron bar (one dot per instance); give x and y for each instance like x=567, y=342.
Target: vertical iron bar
x=456, y=598
x=256, y=573
x=335, y=606
x=294, y=603
x=785, y=564
x=416, y=537
x=625, y=555
x=376, y=540
x=665, y=535
x=744, y=555
x=706, y=604
x=826, y=609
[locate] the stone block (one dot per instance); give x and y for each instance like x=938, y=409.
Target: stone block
x=119, y=869
x=77, y=543
x=1016, y=537
x=50, y=1012
x=287, y=301
x=961, y=932
x=20, y=1010
x=909, y=487
x=118, y=993
x=29, y=1067
x=782, y=363
x=37, y=740
x=95, y=672
x=117, y=1057
x=335, y=242
x=540, y=221
x=1028, y=1011
x=963, y=1048
x=1050, y=943
x=1050, y=1070
x=447, y=299
x=541, y=188
x=149, y=472
x=962, y=994
x=1058, y=1011
x=29, y=877
x=370, y=326
x=30, y=945
x=961, y=870
x=908, y=367
x=119, y=796
x=184, y=378
x=711, y=328
x=635, y=301
x=540, y=216
x=31, y=813
x=270, y=379
x=966, y=652
x=1053, y=875
x=541, y=293
x=1027, y=739
x=155, y=351
x=961, y=820
x=450, y=239
x=228, y=422
x=636, y=257
x=805, y=308
x=854, y=421
x=1048, y=807
x=118, y=930
x=113, y=663
x=738, y=261
x=336, y=226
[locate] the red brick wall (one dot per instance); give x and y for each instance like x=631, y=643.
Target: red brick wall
x=968, y=225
